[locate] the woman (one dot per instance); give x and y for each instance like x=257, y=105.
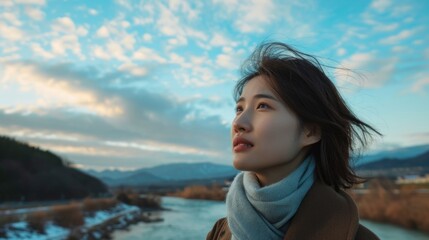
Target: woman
x=292, y=137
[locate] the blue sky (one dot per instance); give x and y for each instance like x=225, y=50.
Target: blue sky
x=129, y=84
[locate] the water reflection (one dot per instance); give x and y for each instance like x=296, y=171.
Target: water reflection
x=192, y=219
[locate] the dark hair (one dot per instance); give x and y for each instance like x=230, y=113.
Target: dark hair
x=299, y=80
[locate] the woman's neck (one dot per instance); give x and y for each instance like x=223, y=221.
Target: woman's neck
x=276, y=173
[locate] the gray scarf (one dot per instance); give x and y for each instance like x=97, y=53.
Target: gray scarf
x=255, y=212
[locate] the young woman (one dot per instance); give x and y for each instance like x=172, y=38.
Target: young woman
x=292, y=137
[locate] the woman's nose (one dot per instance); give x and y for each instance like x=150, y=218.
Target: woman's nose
x=241, y=124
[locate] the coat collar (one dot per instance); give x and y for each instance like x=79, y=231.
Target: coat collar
x=324, y=214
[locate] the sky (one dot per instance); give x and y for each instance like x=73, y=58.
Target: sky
x=129, y=84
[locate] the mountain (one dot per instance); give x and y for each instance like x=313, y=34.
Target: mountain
x=136, y=179
x=186, y=171
x=176, y=173
x=398, y=154
x=395, y=167
x=29, y=173
x=109, y=174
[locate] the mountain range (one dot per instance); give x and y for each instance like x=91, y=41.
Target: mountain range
x=394, y=167
x=410, y=160
x=176, y=173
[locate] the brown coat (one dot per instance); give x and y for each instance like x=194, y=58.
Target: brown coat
x=323, y=215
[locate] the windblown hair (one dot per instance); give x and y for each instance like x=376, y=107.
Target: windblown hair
x=299, y=80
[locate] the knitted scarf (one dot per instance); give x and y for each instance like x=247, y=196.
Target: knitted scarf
x=255, y=212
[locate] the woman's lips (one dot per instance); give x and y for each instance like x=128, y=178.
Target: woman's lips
x=241, y=144
x=242, y=147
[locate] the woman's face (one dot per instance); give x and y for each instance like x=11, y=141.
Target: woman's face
x=266, y=134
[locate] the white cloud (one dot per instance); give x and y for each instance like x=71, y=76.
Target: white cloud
x=256, y=15
x=184, y=8
x=35, y=13
x=99, y=52
x=6, y=3
x=179, y=60
x=164, y=147
x=365, y=70
x=10, y=49
x=404, y=34
x=177, y=41
x=147, y=54
x=93, y=12
x=116, y=31
x=56, y=92
x=133, y=69
x=12, y=18
x=386, y=27
x=200, y=77
x=226, y=61
x=142, y=21
x=103, y=32
x=125, y=24
x=219, y=40
x=341, y=51
x=124, y=3
x=229, y=58
x=421, y=82
x=380, y=5
x=170, y=25
x=147, y=37
x=252, y=16
x=401, y=10
x=10, y=33
x=66, y=25
x=399, y=49
x=34, y=2
x=38, y=50
x=128, y=41
x=67, y=42
x=116, y=51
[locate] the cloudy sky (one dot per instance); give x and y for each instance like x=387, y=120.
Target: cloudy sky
x=129, y=83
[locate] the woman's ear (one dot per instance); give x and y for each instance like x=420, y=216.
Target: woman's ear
x=311, y=134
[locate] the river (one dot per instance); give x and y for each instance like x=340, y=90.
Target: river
x=192, y=219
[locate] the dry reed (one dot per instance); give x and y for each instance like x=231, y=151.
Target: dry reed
x=386, y=202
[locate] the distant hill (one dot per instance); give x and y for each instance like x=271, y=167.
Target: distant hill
x=29, y=173
x=394, y=167
x=397, y=154
x=168, y=174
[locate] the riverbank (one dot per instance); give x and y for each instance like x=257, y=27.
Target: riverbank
x=386, y=202
x=382, y=201
x=193, y=219
x=88, y=219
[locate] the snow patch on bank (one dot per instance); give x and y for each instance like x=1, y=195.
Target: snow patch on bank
x=21, y=230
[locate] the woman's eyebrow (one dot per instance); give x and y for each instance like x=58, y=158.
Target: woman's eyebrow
x=261, y=95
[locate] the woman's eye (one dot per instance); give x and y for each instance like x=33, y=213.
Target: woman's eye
x=238, y=109
x=262, y=106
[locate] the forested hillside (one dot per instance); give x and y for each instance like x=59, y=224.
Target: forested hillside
x=28, y=173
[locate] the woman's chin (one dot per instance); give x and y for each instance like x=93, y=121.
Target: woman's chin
x=242, y=165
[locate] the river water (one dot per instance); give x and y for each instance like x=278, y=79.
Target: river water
x=193, y=219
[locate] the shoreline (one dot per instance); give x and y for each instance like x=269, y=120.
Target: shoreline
x=87, y=219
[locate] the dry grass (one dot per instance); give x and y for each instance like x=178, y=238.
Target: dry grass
x=386, y=202
x=214, y=192
x=37, y=221
x=68, y=216
x=7, y=219
x=90, y=205
x=129, y=197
